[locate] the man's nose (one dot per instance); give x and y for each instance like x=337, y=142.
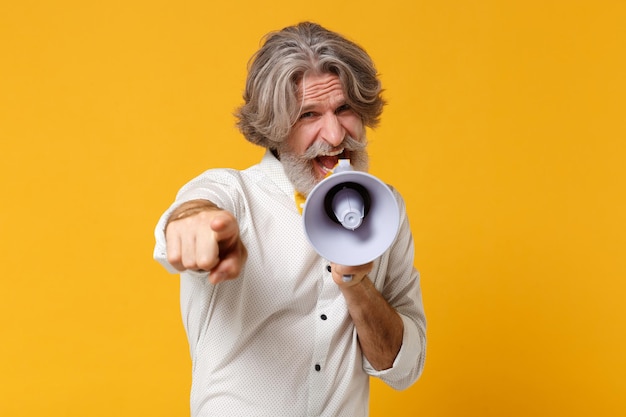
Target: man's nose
x=332, y=131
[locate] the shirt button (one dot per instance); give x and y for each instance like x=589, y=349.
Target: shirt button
x=328, y=268
x=323, y=317
x=318, y=367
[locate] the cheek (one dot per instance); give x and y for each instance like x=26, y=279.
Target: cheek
x=299, y=140
x=360, y=131
x=354, y=127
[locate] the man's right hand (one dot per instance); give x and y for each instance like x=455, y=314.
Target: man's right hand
x=202, y=237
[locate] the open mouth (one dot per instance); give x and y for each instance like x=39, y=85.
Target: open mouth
x=327, y=161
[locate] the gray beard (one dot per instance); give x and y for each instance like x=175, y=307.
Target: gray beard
x=300, y=171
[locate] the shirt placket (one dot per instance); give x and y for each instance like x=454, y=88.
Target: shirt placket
x=325, y=327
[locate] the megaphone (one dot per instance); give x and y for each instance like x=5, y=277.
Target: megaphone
x=351, y=217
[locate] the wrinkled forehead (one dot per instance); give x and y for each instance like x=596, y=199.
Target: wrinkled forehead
x=315, y=87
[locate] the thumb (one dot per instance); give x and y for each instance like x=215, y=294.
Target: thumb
x=226, y=230
x=232, y=252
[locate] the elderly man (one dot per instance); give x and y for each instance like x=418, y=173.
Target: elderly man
x=273, y=328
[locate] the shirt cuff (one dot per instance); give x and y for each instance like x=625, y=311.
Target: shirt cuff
x=160, y=247
x=407, y=366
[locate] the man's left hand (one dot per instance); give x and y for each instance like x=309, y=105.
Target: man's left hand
x=347, y=276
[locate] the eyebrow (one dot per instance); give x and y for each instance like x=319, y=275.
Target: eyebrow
x=305, y=108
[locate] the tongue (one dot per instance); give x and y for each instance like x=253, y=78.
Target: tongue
x=328, y=162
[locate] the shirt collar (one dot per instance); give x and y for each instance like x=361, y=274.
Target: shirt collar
x=272, y=167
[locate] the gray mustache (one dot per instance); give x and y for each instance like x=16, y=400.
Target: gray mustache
x=320, y=147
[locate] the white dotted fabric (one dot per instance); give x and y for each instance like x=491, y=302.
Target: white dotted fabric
x=278, y=340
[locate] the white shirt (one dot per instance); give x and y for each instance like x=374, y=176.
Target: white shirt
x=278, y=340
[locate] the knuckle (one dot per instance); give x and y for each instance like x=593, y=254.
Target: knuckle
x=190, y=265
x=173, y=258
x=207, y=257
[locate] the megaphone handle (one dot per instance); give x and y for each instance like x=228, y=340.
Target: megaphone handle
x=346, y=278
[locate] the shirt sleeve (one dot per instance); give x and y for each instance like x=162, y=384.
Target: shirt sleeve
x=409, y=362
x=399, y=283
x=215, y=185
x=160, y=252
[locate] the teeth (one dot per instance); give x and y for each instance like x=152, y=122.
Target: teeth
x=330, y=154
x=326, y=170
x=333, y=153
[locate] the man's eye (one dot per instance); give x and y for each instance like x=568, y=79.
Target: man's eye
x=306, y=115
x=342, y=108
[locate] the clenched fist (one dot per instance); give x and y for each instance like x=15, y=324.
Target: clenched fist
x=202, y=237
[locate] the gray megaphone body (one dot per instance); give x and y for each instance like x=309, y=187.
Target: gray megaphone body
x=351, y=217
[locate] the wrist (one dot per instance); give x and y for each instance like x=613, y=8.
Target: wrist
x=190, y=208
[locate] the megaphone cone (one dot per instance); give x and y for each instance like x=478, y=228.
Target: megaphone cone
x=351, y=218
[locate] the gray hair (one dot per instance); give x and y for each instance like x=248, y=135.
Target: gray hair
x=271, y=104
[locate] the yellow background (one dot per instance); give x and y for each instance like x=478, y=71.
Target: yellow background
x=505, y=131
